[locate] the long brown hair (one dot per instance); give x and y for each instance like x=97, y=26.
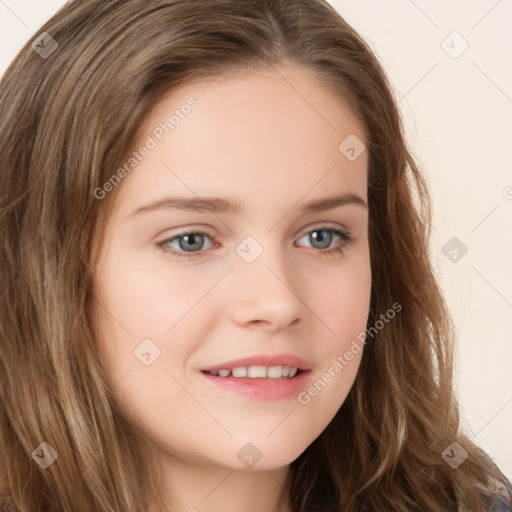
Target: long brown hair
x=68, y=118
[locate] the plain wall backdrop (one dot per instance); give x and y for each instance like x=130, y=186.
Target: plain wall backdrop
x=449, y=64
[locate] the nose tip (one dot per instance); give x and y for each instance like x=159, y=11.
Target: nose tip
x=266, y=285
x=266, y=300
x=272, y=326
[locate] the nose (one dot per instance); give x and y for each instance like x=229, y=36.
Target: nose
x=268, y=294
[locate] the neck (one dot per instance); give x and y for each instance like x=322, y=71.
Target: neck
x=191, y=487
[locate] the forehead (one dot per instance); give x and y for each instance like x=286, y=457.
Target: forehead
x=269, y=131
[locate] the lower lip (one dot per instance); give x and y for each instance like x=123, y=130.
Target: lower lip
x=261, y=388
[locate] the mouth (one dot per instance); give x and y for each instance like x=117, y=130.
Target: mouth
x=263, y=377
x=257, y=372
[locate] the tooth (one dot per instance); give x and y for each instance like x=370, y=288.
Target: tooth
x=275, y=372
x=257, y=371
x=240, y=371
x=272, y=372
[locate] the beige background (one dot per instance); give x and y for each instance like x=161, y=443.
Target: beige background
x=457, y=107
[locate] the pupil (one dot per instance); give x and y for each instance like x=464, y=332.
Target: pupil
x=324, y=237
x=189, y=242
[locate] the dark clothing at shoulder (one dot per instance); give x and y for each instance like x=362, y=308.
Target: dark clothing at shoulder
x=503, y=501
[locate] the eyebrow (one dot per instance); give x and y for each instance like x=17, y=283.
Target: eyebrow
x=221, y=205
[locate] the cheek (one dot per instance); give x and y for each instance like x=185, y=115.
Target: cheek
x=342, y=302
x=143, y=301
x=149, y=298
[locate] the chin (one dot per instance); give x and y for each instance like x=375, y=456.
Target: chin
x=266, y=454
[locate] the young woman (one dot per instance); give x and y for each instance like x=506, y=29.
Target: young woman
x=216, y=286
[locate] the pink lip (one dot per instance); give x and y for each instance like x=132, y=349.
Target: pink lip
x=262, y=360
x=263, y=389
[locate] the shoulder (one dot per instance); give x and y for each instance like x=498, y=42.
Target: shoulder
x=503, y=499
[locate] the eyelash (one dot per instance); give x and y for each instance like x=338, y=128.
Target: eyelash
x=347, y=240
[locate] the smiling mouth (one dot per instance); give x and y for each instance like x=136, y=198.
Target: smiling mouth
x=258, y=372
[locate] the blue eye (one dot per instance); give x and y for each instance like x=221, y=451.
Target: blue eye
x=192, y=244
x=322, y=237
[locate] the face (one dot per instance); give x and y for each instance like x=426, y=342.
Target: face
x=238, y=245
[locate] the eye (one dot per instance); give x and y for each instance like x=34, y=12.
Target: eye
x=192, y=243
x=322, y=237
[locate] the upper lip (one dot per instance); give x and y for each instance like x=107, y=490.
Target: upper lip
x=262, y=360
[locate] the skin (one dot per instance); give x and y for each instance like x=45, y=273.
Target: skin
x=256, y=139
